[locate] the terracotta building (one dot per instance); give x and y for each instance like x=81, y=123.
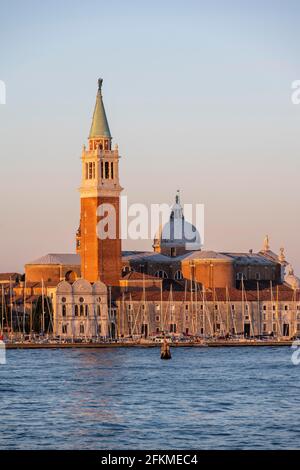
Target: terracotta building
x=179, y=287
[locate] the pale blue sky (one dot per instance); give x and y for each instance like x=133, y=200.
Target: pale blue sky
x=198, y=98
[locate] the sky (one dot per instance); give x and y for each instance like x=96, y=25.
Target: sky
x=198, y=98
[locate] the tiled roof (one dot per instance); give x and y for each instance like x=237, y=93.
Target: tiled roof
x=58, y=258
x=240, y=258
x=134, y=276
x=284, y=294
x=8, y=276
x=207, y=255
x=251, y=258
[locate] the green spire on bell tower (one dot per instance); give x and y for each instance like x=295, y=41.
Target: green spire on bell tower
x=99, y=127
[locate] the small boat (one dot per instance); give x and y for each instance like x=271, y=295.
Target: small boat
x=165, y=352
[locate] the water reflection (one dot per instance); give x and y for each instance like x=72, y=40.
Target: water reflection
x=129, y=398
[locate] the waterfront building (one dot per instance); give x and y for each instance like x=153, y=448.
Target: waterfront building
x=178, y=288
x=82, y=310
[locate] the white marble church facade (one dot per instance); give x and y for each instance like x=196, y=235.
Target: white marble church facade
x=81, y=310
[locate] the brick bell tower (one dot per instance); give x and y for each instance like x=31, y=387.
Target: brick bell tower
x=100, y=257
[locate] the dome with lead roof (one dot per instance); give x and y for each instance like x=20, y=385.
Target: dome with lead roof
x=177, y=236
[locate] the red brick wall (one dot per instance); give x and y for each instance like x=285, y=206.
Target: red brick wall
x=211, y=274
x=100, y=259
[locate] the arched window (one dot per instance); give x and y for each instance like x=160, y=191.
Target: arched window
x=86, y=310
x=64, y=311
x=76, y=311
x=81, y=310
x=106, y=170
x=178, y=275
x=81, y=328
x=162, y=274
x=98, y=311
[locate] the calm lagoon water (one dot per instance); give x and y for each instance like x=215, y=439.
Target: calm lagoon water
x=223, y=398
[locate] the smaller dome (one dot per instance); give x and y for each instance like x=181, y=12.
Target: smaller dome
x=177, y=234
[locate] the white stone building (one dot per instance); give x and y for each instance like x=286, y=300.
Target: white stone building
x=81, y=310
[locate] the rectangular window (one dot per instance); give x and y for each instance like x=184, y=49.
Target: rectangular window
x=173, y=328
x=241, y=276
x=81, y=329
x=264, y=327
x=157, y=318
x=106, y=170
x=173, y=252
x=90, y=170
x=298, y=326
x=64, y=329
x=112, y=170
x=102, y=170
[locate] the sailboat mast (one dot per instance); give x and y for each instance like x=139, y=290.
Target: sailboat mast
x=43, y=309
x=24, y=304
x=2, y=310
x=11, y=307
